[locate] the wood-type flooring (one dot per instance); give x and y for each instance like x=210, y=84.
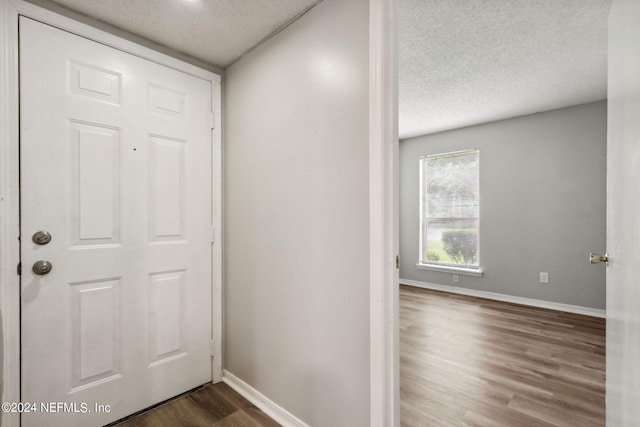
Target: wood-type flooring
x=214, y=405
x=467, y=361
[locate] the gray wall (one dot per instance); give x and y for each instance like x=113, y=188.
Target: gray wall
x=296, y=216
x=542, y=204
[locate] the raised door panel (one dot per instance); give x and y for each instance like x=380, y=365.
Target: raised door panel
x=94, y=184
x=166, y=188
x=95, y=332
x=95, y=82
x=166, y=316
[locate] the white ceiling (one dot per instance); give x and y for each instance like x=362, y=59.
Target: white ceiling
x=214, y=31
x=465, y=62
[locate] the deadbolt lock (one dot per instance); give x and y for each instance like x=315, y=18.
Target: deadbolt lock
x=41, y=237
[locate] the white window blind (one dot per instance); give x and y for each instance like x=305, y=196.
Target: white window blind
x=450, y=209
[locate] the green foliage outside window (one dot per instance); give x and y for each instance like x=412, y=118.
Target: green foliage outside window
x=461, y=245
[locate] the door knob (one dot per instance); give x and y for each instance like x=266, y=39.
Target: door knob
x=596, y=258
x=41, y=237
x=42, y=267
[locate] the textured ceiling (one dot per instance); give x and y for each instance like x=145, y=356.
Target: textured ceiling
x=465, y=62
x=214, y=31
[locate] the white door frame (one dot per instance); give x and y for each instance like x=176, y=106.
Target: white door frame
x=383, y=214
x=10, y=185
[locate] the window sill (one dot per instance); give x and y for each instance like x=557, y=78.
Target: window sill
x=449, y=269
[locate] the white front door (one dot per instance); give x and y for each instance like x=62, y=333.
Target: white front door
x=116, y=167
x=623, y=216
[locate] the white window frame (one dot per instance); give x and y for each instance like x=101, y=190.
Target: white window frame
x=422, y=263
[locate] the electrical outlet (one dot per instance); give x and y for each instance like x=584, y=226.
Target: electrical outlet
x=544, y=277
x=456, y=278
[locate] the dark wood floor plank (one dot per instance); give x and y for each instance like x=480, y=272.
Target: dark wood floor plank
x=180, y=412
x=468, y=361
x=212, y=405
x=223, y=391
x=212, y=402
x=553, y=413
x=260, y=417
x=237, y=419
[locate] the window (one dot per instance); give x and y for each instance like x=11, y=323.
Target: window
x=449, y=210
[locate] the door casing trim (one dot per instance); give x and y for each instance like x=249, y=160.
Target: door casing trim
x=383, y=215
x=10, y=10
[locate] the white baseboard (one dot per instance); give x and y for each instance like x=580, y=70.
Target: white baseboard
x=268, y=406
x=587, y=311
